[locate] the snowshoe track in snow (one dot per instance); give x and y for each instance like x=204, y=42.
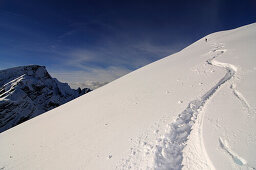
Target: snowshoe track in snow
x=169, y=150
x=168, y=154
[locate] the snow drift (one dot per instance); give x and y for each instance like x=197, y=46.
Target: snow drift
x=191, y=110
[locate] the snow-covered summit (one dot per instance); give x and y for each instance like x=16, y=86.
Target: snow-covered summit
x=31, y=70
x=28, y=91
x=191, y=110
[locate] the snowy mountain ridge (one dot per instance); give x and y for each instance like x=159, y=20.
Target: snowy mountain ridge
x=28, y=91
x=191, y=110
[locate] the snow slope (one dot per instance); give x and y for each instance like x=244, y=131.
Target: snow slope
x=191, y=110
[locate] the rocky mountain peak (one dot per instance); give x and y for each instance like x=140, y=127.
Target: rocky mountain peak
x=28, y=91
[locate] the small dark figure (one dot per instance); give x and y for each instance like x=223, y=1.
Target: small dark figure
x=205, y=39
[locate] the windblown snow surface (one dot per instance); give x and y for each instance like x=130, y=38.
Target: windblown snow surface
x=191, y=110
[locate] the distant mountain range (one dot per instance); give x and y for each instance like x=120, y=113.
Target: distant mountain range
x=28, y=91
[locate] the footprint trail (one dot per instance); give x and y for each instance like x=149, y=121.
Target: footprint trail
x=169, y=150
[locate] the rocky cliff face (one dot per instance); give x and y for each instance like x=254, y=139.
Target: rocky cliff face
x=28, y=91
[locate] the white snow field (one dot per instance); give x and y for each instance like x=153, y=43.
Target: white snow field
x=192, y=110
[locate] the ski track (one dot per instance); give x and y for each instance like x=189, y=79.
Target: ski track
x=241, y=98
x=168, y=153
x=236, y=158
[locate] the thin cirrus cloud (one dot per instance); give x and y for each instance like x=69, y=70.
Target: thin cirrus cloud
x=106, y=63
x=76, y=55
x=130, y=56
x=91, y=42
x=108, y=59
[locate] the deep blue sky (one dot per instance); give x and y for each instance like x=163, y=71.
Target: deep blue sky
x=81, y=40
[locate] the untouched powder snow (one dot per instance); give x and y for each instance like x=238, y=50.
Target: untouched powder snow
x=191, y=110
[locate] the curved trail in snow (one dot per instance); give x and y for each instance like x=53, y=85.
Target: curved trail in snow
x=169, y=150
